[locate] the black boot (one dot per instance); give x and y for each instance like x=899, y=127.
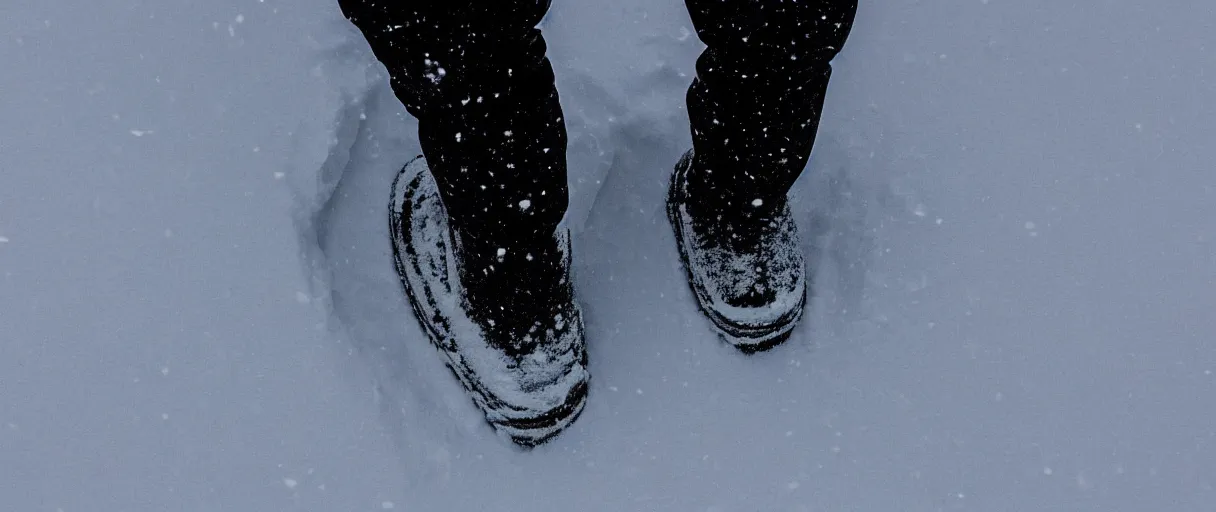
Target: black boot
x=502, y=315
x=744, y=264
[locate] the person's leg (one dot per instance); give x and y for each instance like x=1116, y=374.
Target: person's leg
x=756, y=100
x=754, y=108
x=475, y=75
x=478, y=247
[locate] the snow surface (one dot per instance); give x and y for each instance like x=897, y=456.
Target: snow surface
x=1011, y=211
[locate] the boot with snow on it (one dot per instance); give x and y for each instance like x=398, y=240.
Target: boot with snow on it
x=503, y=316
x=745, y=267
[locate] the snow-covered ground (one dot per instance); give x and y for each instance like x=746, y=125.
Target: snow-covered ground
x=1012, y=215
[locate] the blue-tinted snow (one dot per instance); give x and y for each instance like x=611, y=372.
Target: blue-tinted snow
x=1010, y=205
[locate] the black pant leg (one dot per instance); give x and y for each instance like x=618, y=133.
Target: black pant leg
x=474, y=73
x=756, y=101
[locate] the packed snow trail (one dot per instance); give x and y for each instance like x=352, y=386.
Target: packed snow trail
x=1009, y=211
